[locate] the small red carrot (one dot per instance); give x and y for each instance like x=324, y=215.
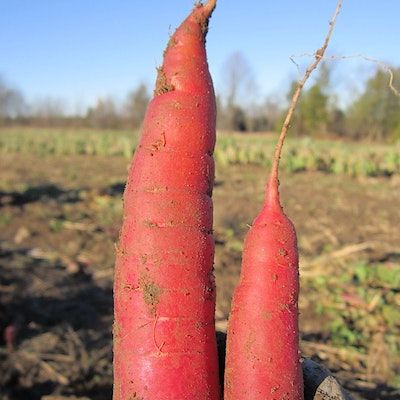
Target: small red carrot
x=262, y=355
x=262, y=359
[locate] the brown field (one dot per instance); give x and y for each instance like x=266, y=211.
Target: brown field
x=59, y=221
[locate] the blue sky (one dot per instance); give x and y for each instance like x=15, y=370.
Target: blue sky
x=81, y=49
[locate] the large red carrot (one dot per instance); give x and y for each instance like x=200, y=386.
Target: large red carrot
x=164, y=291
x=262, y=357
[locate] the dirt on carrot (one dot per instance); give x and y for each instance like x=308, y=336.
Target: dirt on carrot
x=151, y=293
x=162, y=84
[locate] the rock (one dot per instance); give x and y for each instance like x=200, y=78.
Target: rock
x=320, y=384
x=22, y=234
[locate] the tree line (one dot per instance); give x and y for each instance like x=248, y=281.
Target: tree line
x=104, y=114
x=373, y=114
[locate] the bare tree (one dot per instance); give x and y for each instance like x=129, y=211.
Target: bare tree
x=136, y=104
x=239, y=79
x=239, y=91
x=104, y=114
x=47, y=109
x=12, y=103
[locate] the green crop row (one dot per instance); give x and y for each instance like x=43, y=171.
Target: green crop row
x=337, y=157
x=355, y=159
x=45, y=142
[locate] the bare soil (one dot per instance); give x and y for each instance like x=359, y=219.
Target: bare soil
x=59, y=221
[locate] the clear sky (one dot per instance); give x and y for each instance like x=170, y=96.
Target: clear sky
x=81, y=49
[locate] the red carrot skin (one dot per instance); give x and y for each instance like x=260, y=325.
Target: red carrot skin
x=262, y=359
x=164, y=290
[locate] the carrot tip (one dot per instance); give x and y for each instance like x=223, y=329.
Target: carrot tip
x=209, y=7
